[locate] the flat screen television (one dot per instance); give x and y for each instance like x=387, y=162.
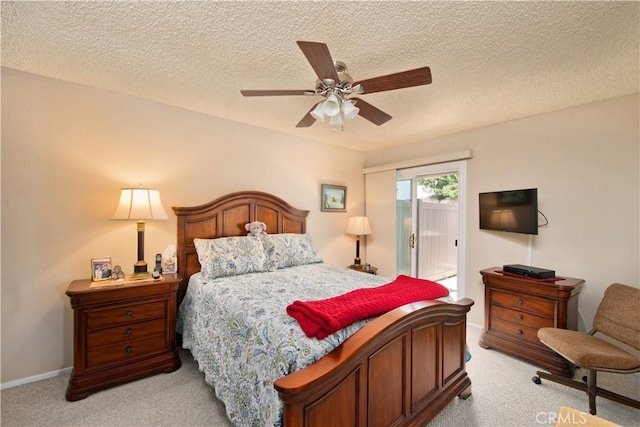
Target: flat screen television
x=515, y=211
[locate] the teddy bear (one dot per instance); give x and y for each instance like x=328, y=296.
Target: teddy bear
x=256, y=228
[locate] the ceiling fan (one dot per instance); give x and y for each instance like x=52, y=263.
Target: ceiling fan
x=338, y=89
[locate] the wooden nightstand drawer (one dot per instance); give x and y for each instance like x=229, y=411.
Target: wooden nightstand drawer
x=125, y=314
x=125, y=333
x=520, y=317
x=122, y=332
x=516, y=331
x=523, y=303
x=125, y=351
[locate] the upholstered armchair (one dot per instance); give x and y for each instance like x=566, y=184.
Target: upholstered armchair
x=617, y=317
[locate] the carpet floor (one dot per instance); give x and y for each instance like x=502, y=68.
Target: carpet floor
x=503, y=395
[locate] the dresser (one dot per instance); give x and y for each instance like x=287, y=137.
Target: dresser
x=122, y=332
x=516, y=307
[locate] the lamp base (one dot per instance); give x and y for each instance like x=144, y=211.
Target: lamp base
x=140, y=276
x=365, y=268
x=140, y=267
x=140, y=271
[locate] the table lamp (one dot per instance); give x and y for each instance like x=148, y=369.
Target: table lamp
x=140, y=204
x=358, y=226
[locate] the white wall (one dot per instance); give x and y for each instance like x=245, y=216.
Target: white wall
x=584, y=162
x=68, y=149
x=380, y=195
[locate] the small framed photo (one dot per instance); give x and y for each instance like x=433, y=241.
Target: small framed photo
x=100, y=269
x=334, y=198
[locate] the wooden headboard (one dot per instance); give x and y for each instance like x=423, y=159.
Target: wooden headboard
x=227, y=216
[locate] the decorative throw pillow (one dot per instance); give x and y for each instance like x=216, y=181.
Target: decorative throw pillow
x=289, y=250
x=231, y=256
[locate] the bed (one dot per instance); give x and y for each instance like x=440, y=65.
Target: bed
x=399, y=369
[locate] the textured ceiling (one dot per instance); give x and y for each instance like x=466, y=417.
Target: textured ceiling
x=491, y=61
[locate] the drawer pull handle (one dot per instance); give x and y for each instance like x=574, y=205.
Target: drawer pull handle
x=128, y=331
x=520, y=302
x=518, y=317
x=128, y=349
x=518, y=332
x=129, y=313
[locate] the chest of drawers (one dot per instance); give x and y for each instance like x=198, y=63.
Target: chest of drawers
x=516, y=307
x=122, y=332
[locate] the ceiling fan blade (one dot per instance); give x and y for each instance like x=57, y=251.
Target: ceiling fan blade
x=275, y=92
x=417, y=77
x=371, y=113
x=307, y=120
x=320, y=59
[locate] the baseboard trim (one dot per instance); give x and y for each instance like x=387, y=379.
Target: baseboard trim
x=473, y=325
x=33, y=379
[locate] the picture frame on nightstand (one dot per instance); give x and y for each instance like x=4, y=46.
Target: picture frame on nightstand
x=100, y=269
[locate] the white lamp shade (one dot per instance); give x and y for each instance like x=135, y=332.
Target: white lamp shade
x=336, y=120
x=349, y=110
x=139, y=204
x=318, y=112
x=331, y=106
x=358, y=225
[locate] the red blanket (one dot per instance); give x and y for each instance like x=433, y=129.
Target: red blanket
x=323, y=317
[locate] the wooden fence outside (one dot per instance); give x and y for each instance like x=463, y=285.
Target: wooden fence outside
x=436, y=238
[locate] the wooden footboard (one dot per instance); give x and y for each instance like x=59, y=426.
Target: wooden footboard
x=399, y=370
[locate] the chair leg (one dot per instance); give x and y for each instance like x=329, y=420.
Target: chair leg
x=560, y=380
x=592, y=390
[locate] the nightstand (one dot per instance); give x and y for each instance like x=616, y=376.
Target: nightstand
x=515, y=307
x=364, y=268
x=122, y=332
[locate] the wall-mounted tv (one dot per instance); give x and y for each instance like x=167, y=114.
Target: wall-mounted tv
x=515, y=211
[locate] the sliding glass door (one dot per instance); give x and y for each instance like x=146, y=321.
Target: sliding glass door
x=430, y=223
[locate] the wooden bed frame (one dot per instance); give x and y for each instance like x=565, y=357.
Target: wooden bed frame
x=399, y=370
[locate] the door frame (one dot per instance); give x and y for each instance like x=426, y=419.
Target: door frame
x=459, y=167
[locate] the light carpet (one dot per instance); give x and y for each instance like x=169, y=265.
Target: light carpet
x=503, y=395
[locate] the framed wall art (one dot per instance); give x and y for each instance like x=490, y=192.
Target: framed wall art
x=334, y=198
x=100, y=269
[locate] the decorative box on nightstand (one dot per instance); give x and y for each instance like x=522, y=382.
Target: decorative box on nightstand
x=365, y=268
x=122, y=332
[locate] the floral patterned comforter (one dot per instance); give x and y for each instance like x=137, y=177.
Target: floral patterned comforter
x=239, y=332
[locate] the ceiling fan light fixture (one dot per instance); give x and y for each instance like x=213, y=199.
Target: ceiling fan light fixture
x=318, y=112
x=331, y=106
x=349, y=109
x=336, y=120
